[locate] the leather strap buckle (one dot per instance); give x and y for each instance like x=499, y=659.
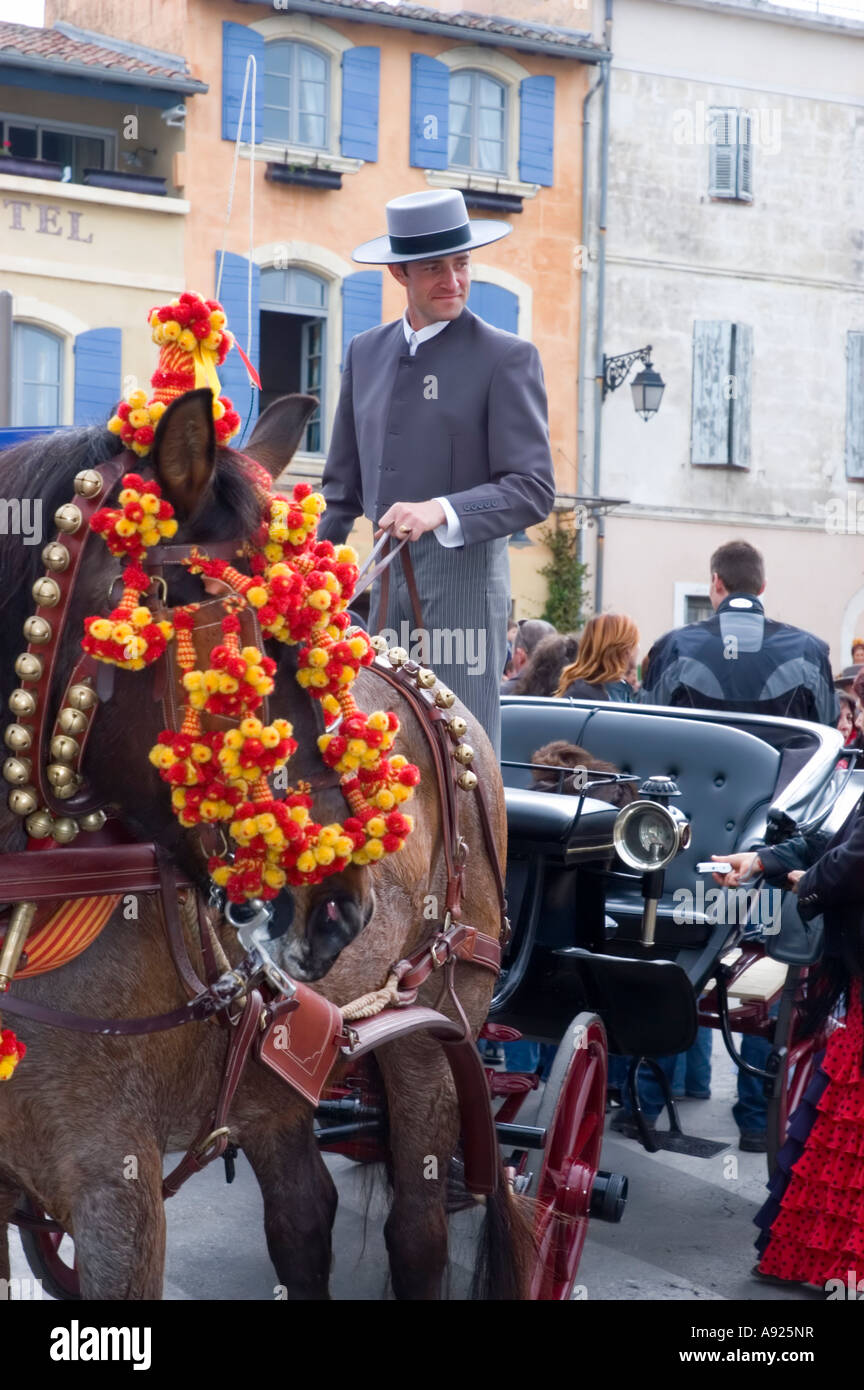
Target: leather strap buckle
x=438, y=962
x=211, y=1141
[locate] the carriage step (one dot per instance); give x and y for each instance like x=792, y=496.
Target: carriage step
x=689, y=1144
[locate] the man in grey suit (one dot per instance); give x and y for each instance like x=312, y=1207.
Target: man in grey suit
x=441, y=436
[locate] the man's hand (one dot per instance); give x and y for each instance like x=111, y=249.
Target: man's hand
x=411, y=519
x=793, y=878
x=744, y=866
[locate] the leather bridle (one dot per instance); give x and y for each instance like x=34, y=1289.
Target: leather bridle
x=242, y=997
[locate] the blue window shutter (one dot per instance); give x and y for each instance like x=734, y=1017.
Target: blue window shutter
x=238, y=41
x=855, y=405
x=361, y=304
x=233, y=296
x=537, y=130
x=97, y=375
x=497, y=306
x=430, y=112
x=360, y=83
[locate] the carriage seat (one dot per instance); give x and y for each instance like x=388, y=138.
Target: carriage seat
x=551, y=824
x=727, y=779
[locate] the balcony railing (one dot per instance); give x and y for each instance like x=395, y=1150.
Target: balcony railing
x=122, y=181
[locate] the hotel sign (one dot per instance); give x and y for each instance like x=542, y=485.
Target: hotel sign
x=45, y=219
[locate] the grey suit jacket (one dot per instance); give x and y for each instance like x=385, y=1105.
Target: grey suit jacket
x=465, y=418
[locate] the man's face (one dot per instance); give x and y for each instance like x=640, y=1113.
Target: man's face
x=436, y=289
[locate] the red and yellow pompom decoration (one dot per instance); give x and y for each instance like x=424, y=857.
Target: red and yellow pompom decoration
x=11, y=1052
x=193, y=339
x=130, y=637
x=299, y=589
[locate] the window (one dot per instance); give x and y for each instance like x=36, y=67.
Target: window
x=296, y=94
x=478, y=122
x=294, y=305
x=855, y=404
x=74, y=147
x=697, y=608
x=730, y=173
x=37, y=376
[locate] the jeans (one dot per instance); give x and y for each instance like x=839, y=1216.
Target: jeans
x=693, y=1067
x=526, y=1056
x=751, y=1112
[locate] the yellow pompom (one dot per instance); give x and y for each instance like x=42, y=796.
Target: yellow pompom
x=329, y=834
x=136, y=399
x=375, y=849
x=149, y=504
x=324, y=854
x=221, y=875
x=201, y=753
x=217, y=318
x=299, y=813
x=115, y=424
x=251, y=728
x=385, y=799
x=233, y=739
x=187, y=339
x=141, y=617
x=273, y=877
x=212, y=341
x=283, y=728
x=193, y=680
x=171, y=330
x=360, y=857
x=306, y=862
x=319, y=599
x=100, y=629
x=376, y=826
x=358, y=647
x=318, y=657
x=266, y=823
x=168, y=528
x=346, y=555
x=137, y=418
x=157, y=410
x=209, y=810
x=343, y=846
x=125, y=527
x=269, y=737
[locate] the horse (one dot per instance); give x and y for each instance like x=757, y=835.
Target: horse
x=80, y=1106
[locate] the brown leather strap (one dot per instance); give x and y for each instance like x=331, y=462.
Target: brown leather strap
x=411, y=583
x=459, y=942
x=214, y=999
x=201, y=1152
x=179, y=554
x=383, y=592
x=479, y=1137
x=189, y=978
x=72, y=872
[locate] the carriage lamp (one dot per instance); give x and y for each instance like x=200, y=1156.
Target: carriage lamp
x=647, y=387
x=646, y=835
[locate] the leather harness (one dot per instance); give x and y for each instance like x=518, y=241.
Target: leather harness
x=253, y=988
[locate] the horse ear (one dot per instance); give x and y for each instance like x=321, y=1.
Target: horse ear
x=184, y=450
x=278, y=432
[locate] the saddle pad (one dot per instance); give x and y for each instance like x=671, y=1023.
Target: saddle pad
x=302, y=1041
x=69, y=930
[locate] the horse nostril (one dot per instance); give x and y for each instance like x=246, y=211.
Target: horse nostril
x=332, y=911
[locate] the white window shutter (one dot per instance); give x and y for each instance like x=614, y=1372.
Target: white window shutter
x=712, y=353
x=723, y=162
x=745, y=158
x=740, y=393
x=855, y=405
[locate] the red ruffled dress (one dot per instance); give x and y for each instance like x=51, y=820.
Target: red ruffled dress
x=813, y=1222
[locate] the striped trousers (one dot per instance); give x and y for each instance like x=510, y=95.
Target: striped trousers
x=464, y=603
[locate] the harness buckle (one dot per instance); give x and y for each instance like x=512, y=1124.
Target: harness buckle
x=212, y=1138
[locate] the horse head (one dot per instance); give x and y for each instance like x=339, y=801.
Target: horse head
x=214, y=500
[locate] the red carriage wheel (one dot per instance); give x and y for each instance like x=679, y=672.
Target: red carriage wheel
x=572, y=1113
x=46, y=1252
x=799, y=1070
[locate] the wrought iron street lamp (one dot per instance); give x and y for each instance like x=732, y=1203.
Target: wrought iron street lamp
x=647, y=387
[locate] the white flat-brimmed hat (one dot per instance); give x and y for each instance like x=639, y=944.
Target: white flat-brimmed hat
x=427, y=224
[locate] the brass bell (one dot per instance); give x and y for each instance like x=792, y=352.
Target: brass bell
x=59, y=775
x=463, y=753
x=63, y=793
x=38, y=631
x=397, y=656
x=46, y=592
x=88, y=483
x=64, y=829
x=64, y=749
x=467, y=780
x=28, y=666
x=22, y=801
x=55, y=557
x=18, y=737
x=92, y=820
x=39, y=825
x=444, y=698
x=68, y=518
x=457, y=727
x=22, y=703
x=378, y=644
x=426, y=678
x=17, y=771
x=82, y=697
x=72, y=721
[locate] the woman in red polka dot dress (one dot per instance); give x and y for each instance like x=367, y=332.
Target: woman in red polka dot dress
x=813, y=1222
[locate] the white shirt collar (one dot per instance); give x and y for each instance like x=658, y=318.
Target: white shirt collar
x=415, y=336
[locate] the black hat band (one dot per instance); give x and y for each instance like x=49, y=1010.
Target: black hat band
x=450, y=240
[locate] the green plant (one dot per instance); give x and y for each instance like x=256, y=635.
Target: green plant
x=565, y=573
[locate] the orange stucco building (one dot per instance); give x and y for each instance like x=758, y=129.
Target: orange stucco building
x=358, y=102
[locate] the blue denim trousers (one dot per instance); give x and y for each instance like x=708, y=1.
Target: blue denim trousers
x=688, y=1071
